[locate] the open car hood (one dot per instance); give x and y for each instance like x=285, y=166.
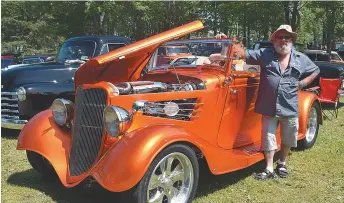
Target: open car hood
x=126, y=63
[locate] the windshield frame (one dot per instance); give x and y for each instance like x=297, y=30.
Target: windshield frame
x=87, y=40
x=224, y=68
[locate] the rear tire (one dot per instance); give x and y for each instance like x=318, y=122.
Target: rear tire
x=312, y=127
x=173, y=175
x=41, y=165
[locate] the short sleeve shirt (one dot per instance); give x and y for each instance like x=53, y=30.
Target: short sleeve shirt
x=278, y=92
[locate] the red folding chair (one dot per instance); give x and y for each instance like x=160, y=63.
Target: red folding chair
x=329, y=94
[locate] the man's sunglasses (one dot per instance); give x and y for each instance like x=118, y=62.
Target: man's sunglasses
x=283, y=37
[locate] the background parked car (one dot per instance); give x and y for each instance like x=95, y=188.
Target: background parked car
x=340, y=51
x=7, y=60
x=30, y=89
x=328, y=70
x=169, y=52
x=322, y=55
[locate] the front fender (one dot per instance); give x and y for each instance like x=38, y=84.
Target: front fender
x=123, y=166
x=43, y=136
x=306, y=99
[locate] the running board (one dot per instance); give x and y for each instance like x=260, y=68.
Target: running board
x=250, y=152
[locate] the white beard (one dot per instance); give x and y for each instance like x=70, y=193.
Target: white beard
x=283, y=49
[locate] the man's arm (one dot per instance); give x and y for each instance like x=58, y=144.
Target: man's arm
x=310, y=68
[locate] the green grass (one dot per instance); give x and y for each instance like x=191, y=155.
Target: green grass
x=316, y=175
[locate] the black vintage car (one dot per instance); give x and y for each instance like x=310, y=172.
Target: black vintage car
x=29, y=89
x=328, y=70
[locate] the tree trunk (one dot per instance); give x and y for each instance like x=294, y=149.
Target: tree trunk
x=245, y=26
x=215, y=18
x=286, y=12
x=331, y=14
x=294, y=15
x=248, y=36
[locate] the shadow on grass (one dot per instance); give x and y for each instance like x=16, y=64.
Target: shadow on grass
x=92, y=192
x=9, y=133
x=87, y=192
x=210, y=183
x=84, y=192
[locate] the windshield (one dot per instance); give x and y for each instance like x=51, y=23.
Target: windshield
x=201, y=52
x=76, y=50
x=5, y=62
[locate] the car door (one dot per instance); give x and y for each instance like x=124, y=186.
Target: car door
x=240, y=125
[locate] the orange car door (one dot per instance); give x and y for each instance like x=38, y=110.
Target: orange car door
x=240, y=125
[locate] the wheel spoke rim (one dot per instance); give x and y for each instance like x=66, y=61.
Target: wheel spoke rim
x=311, y=125
x=155, y=182
x=171, y=180
x=157, y=198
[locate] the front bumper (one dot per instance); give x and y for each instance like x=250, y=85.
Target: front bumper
x=13, y=124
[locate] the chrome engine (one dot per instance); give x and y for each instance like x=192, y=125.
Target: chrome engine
x=141, y=87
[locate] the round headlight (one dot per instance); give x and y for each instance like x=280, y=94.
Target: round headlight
x=21, y=93
x=62, y=111
x=117, y=120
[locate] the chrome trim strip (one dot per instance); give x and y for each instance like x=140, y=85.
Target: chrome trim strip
x=8, y=99
x=9, y=93
x=11, y=117
x=9, y=105
x=9, y=111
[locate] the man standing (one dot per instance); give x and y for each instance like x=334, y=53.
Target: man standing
x=277, y=101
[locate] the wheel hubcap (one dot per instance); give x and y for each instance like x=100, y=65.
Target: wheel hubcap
x=312, y=125
x=171, y=180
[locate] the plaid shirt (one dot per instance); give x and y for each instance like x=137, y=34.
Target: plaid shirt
x=278, y=92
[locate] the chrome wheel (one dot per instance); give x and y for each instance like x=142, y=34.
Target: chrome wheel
x=171, y=180
x=312, y=125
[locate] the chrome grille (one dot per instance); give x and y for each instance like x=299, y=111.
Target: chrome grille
x=87, y=129
x=10, y=108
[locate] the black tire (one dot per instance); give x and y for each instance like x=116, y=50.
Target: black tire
x=41, y=165
x=138, y=194
x=308, y=143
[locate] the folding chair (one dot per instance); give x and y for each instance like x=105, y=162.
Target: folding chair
x=329, y=94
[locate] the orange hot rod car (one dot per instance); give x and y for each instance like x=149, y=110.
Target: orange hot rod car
x=142, y=128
